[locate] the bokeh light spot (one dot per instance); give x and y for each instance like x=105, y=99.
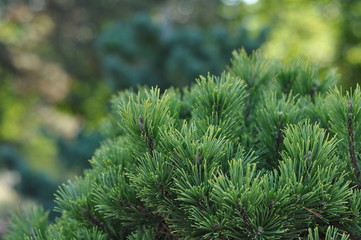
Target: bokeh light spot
x=250, y=1
x=353, y=55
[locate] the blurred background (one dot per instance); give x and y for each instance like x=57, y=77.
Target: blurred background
x=61, y=60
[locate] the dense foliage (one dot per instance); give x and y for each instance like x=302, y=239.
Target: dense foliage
x=139, y=51
x=267, y=150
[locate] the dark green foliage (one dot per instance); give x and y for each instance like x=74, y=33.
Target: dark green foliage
x=31, y=225
x=247, y=155
x=345, y=112
x=74, y=153
x=272, y=117
x=139, y=51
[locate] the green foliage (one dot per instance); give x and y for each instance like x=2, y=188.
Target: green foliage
x=31, y=225
x=331, y=234
x=304, y=78
x=247, y=155
x=272, y=119
x=75, y=153
x=139, y=51
x=214, y=103
x=345, y=113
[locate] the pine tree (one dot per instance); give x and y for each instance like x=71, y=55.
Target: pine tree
x=268, y=150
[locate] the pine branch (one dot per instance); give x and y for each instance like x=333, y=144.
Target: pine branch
x=246, y=219
x=351, y=144
x=148, y=138
x=278, y=140
x=168, y=231
x=355, y=236
x=92, y=220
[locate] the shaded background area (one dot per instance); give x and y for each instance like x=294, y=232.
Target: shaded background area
x=61, y=60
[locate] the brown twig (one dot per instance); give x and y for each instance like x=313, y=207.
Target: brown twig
x=351, y=144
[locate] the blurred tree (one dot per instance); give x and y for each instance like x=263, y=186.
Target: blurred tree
x=327, y=31
x=74, y=154
x=138, y=51
x=349, y=48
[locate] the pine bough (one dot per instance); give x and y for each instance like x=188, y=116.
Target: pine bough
x=268, y=150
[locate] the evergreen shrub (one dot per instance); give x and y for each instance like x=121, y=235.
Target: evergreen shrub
x=268, y=150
